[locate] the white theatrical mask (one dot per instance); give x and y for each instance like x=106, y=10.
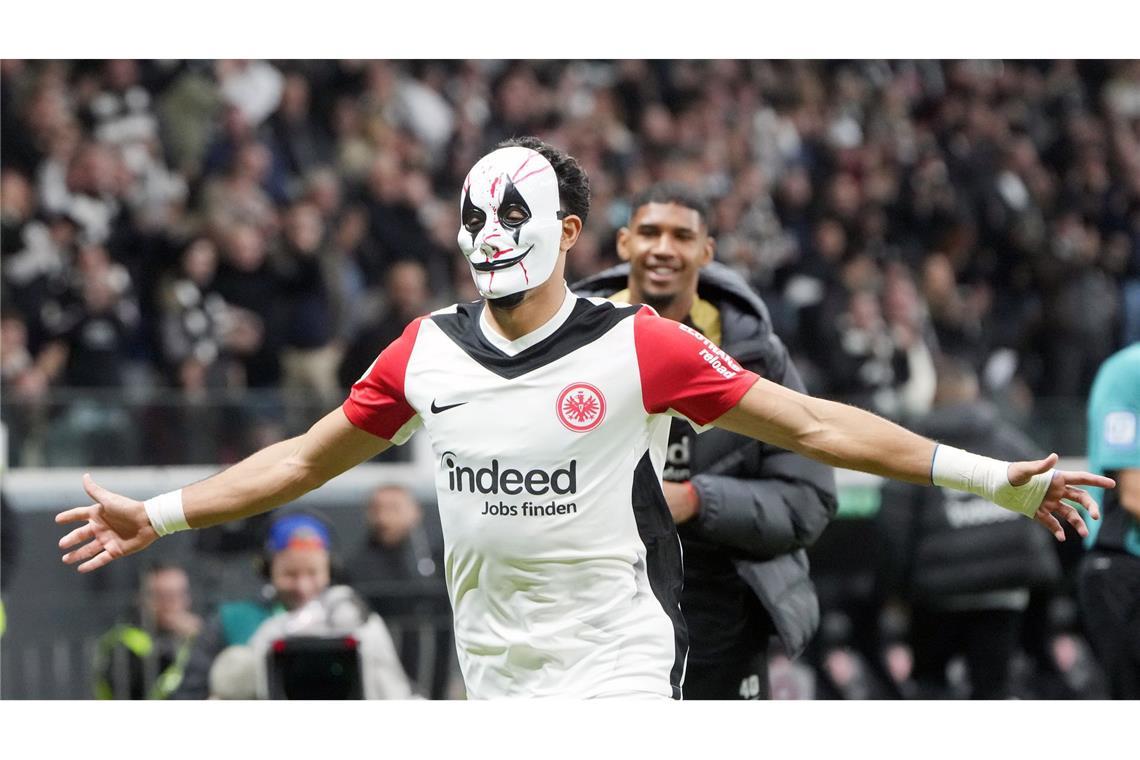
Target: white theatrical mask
x=510, y=221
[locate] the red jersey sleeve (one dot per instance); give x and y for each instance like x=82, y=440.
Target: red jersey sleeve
x=377, y=402
x=684, y=371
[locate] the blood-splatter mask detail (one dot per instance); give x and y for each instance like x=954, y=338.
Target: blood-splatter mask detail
x=510, y=221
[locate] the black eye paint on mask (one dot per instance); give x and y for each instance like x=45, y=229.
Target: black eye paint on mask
x=513, y=198
x=471, y=210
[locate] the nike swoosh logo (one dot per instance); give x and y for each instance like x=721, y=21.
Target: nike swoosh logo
x=437, y=409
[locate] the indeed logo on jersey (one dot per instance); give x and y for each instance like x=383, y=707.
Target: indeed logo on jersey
x=724, y=364
x=495, y=480
x=679, y=454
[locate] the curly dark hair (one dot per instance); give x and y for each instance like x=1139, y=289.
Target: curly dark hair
x=573, y=184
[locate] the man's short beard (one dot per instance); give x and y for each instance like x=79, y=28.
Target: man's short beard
x=659, y=302
x=508, y=302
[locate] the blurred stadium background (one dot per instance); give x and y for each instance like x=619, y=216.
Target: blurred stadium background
x=200, y=256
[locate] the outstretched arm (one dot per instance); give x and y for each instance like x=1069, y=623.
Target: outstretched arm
x=281, y=473
x=116, y=525
x=762, y=500
x=836, y=434
x=845, y=436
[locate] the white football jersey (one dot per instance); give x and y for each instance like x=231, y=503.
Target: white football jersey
x=562, y=561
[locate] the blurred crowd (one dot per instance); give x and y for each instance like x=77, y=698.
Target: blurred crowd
x=233, y=224
x=217, y=227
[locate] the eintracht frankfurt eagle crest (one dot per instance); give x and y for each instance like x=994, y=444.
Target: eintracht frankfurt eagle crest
x=580, y=407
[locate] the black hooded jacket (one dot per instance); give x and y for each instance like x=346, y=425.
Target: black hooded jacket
x=761, y=506
x=941, y=544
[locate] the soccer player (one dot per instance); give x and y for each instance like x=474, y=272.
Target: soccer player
x=549, y=417
x=745, y=510
x=1109, y=579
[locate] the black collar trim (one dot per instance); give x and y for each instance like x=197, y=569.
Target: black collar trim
x=587, y=322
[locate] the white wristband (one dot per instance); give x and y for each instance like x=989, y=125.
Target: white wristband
x=165, y=513
x=988, y=478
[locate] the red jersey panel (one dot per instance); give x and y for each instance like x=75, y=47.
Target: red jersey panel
x=377, y=402
x=684, y=371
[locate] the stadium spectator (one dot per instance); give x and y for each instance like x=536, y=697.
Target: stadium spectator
x=36, y=252
x=398, y=567
x=908, y=324
x=198, y=328
x=94, y=321
x=407, y=297
x=27, y=379
x=24, y=375
x=187, y=109
x=298, y=566
x=966, y=570
x=90, y=327
x=89, y=183
x=316, y=314
x=244, y=183
x=202, y=341
x=745, y=511
x=20, y=151
x=249, y=280
x=956, y=309
x=395, y=198
x=122, y=117
x=870, y=362
x=303, y=141
x=1082, y=304
x=146, y=657
x=324, y=188
x=1129, y=268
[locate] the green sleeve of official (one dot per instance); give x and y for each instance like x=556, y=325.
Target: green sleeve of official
x=1114, y=413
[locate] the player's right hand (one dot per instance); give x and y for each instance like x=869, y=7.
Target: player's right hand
x=115, y=527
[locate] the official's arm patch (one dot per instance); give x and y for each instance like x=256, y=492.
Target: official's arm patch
x=1120, y=429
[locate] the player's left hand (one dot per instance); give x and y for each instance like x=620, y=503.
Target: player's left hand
x=682, y=500
x=1062, y=488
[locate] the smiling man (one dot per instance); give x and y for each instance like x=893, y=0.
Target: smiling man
x=745, y=510
x=666, y=245
x=549, y=418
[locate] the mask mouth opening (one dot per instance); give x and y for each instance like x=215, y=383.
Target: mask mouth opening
x=500, y=264
x=508, y=302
